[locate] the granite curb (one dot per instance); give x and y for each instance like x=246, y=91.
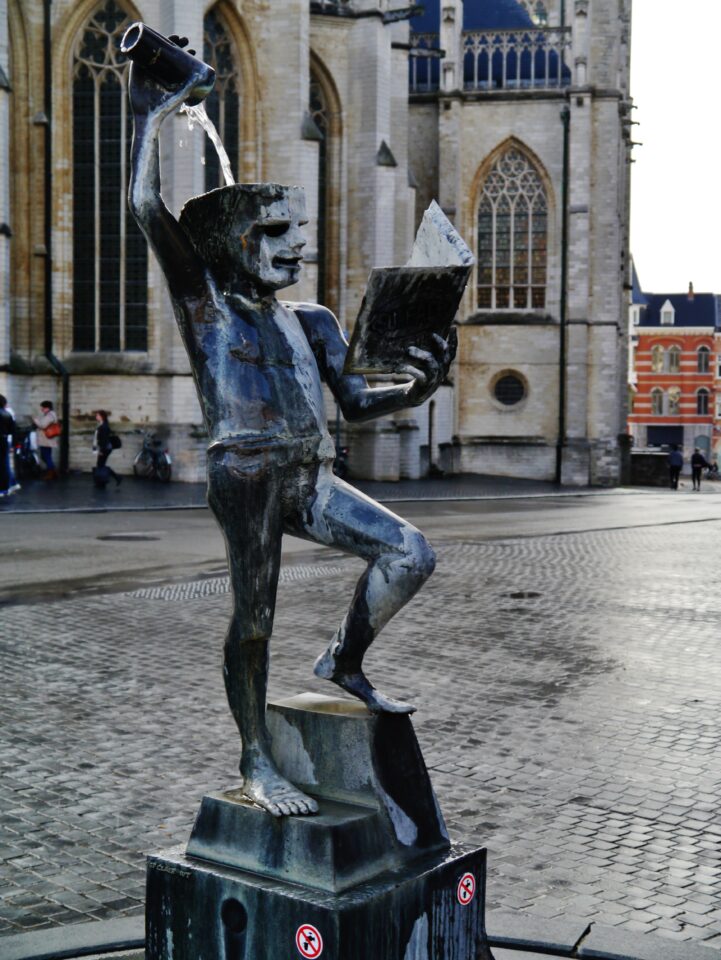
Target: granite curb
x=513, y=936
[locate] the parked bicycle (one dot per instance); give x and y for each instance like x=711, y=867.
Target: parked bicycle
x=153, y=461
x=28, y=464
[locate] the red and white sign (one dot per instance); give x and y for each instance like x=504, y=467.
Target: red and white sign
x=466, y=889
x=309, y=941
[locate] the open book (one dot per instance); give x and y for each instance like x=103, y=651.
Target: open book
x=404, y=306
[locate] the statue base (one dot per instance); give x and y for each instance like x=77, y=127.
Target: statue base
x=372, y=875
x=197, y=909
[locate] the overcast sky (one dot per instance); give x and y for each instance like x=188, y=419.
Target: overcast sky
x=676, y=186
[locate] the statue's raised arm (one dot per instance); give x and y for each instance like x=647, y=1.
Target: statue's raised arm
x=151, y=104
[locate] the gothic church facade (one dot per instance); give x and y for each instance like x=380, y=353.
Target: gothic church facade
x=514, y=114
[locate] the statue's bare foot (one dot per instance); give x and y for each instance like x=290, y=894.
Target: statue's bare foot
x=358, y=684
x=265, y=786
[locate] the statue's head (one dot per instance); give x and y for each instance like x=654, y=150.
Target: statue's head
x=249, y=231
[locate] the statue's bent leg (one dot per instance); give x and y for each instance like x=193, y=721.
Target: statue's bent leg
x=400, y=560
x=246, y=504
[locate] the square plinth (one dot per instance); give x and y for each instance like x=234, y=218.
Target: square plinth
x=432, y=910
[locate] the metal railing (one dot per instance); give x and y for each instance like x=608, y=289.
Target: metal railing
x=522, y=59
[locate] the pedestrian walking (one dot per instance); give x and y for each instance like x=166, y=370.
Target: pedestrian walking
x=7, y=428
x=49, y=430
x=14, y=485
x=675, y=463
x=698, y=463
x=104, y=446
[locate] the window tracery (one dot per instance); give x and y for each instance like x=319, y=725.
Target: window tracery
x=110, y=259
x=512, y=235
x=223, y=103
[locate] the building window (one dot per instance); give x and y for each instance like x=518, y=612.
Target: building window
x=657, y=402
x=674, y=401
x=512, y=236
x=318, y=109
x=509, y=389
x=668, y=314
x=110, y=258
x=657, y=353
x=673, y=360
x=702, y=362
x=223, y=103
x=702, y=403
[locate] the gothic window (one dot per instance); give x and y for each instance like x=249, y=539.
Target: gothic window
x=512, y=236
x=657, y=353
x=673, y=360
x=702, y=359
x=223, y=103
x=110, y=259
x=702, y=402
x=657, y=402
x=318, y=109
x=674, y=401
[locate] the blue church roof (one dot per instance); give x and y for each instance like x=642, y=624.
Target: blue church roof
x=701, y=310
x=477, y=15
x=489, y=15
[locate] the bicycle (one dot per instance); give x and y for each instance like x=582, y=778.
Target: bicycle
x=153, y=461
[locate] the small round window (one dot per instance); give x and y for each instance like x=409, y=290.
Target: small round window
x=509, y=390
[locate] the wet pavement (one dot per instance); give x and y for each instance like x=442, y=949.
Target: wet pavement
x=567, y=687
x=76, y=492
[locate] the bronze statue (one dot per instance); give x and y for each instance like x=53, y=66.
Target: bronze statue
x=258, y=365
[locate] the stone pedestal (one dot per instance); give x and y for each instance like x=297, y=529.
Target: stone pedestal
x=372, y=875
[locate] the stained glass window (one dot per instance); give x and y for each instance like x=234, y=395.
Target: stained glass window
x=110, y=258
x=223, y=104
x=512, y=236
x=674, y=401
x=673, y=359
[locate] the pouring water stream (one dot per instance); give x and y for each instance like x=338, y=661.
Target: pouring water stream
x=199, y=115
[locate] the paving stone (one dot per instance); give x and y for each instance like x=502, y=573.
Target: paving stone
x=574, y=734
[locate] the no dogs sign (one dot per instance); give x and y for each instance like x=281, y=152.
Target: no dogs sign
x=309, y=941
x=466, y=889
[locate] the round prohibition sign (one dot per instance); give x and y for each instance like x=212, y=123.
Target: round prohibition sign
x=466, y=890
x=309, y=941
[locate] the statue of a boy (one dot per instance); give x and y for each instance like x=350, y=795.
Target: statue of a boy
x=258, y=365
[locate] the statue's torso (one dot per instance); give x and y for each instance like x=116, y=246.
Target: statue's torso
x=257, y=378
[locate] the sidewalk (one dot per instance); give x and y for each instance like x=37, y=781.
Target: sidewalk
x=76, y=493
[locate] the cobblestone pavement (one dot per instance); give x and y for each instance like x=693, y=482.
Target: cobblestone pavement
x=568, y=690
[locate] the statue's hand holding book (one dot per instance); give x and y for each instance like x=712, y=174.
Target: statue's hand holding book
x=405, y=320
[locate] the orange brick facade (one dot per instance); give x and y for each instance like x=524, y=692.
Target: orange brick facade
x=675, y=372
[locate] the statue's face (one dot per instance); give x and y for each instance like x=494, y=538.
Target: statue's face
x=269, y=249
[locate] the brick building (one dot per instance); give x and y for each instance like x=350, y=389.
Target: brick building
x=675, y=340
x=513, y=113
